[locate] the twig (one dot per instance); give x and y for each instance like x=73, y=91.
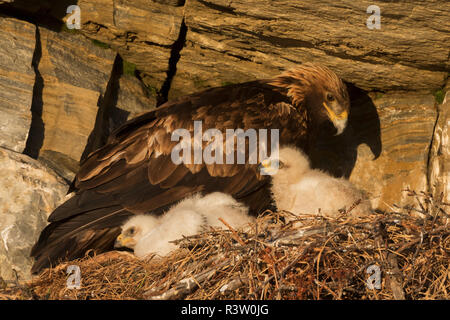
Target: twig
x=234, y=284
x=184, y=286
x=235, y=234
x=394, y=277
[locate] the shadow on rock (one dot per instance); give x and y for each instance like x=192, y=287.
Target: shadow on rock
x=337, y=155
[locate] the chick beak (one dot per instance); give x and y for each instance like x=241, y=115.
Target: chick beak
x=266, y=167
x=263, y=164
x=119, y=243
x=339, y=120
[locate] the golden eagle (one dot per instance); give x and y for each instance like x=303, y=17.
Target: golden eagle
x=134, y=172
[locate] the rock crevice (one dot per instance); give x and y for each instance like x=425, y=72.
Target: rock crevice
x=175, y=55
x=37, y=128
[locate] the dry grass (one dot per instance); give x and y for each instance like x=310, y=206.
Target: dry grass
x=309, y=258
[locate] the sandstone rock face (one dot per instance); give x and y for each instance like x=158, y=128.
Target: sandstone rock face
x=75, y=75
x=143, y=32
x=407, y=125
x=439, y=166
x=28, y=194
x=127, y=97
x=132, y=100
x=17, y=43
x=233, y=41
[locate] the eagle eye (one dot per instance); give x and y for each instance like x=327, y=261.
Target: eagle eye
x=330, y=97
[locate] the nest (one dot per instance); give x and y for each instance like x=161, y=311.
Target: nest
x=396, y=255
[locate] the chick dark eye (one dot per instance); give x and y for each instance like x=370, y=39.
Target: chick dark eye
x=330, y=97
x=131, y=231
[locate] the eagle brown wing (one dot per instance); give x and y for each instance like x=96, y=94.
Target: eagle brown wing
x=134, y=174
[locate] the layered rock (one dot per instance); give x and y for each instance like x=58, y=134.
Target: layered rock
x=234, y=41
x=17, y=78
x=132, y=99
x=439, y=165
x=127, y=98
x=75, y=74
x=143, y=32
x=407, y=126
x=28, y=194
x=230, y=42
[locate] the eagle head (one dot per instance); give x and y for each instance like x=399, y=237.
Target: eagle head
x=321, y=91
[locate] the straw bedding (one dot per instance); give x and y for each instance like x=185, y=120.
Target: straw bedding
x=311, y=257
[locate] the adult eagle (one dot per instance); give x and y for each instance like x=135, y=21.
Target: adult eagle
x=134, y=173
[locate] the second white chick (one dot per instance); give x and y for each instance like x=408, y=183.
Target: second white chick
x=301, y=190
x=147, y=234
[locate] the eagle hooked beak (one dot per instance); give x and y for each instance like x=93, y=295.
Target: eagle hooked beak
x=339, y=120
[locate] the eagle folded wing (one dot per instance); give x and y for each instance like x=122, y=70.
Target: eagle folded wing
x=134, y=172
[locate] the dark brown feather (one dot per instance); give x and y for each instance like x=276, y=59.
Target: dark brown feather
x=133, y=172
